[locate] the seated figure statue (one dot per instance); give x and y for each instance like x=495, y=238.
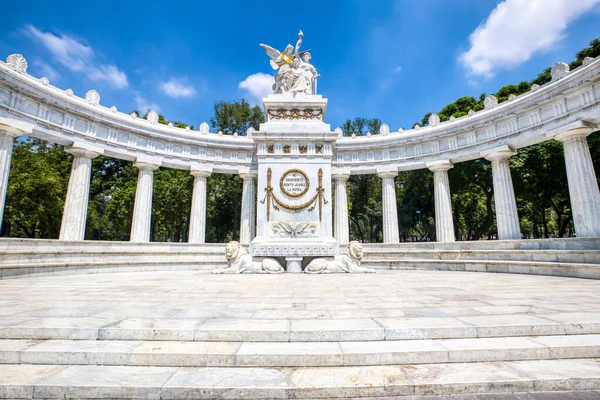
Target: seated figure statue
x=240, y=262
x=347, y=262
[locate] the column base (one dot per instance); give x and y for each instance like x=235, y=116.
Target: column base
x=293, y=265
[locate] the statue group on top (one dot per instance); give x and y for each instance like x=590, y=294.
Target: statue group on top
x=295, y=73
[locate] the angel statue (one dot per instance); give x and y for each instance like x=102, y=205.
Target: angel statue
x=295, y=74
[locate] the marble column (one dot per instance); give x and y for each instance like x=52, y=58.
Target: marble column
x=583, y=186
x=142, y=210
x=507, y=217
x=248, y=220
x=198, y=213
x=7, y=139
x=78, y=194
x=390, y=208
x=444, y=222
x=341, y=227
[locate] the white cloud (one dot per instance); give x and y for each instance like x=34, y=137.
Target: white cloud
x=143, y=105
x=516, y=30
x=398, y=69
x=77, y=56
x=46, y=70
x=258, y=86
x=110, y=74
x=177, y=88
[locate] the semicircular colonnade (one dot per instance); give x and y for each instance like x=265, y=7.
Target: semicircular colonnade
x=565, y=109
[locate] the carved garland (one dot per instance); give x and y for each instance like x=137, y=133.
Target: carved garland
x=271, y=199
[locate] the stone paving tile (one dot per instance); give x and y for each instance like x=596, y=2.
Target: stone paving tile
x=335, y=330
x=445, y=379
x=104, y=382
x=553, y=375
x=290, y=354
x=56, y=328
x=167, y=353
x=150, y=329
x=16, y=380
x=194, y=383
x=243, y=330
x=425, y=328
x=393, y=352
x=513, y=325
x=494, y=349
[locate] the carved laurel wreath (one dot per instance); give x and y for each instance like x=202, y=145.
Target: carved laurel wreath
x=291, y=171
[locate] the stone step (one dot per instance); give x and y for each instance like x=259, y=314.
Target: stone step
x=557, y=256
x=228, y=328
x=26, y=381
x=574, y=270
x=520, y=244
x=37, y=245
x=90, y=267
x=26, y=257
x=296, y=354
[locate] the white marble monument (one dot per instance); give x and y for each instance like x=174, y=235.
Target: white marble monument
x=294, y=219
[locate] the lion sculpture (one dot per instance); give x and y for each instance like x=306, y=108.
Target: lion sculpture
x=347, y=262
x=240, y=262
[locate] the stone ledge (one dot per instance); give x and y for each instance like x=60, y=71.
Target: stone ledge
x=46, y=381
x=296, y=354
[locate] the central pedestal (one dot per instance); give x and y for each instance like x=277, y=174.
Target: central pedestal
x=294, y=209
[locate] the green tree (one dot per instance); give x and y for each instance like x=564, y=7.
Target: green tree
x=224, y=191
x=37, y=189
x=236, y=117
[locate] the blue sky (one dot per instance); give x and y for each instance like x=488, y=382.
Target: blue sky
x=394, y=60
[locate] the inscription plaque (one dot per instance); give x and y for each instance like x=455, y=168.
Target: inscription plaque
x=294, y=183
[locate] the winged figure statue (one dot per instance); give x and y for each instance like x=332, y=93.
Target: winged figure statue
x=295, y=74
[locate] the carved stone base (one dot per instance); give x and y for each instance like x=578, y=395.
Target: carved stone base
x=301, y=247
x=293, y=265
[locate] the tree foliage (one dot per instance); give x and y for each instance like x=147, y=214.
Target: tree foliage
x=236, y=117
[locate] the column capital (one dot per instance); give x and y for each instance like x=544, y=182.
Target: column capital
x=83, y=151
x=441, y=165
x=145, y=166
x=340, y=174
x=201, y=171
x=248, y=173
x=10, y=131
x=387, y=173
x=576, y=129
x=498, y=153
x=14, y=128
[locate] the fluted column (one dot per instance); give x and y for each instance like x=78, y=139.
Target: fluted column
x=78, y=194
x=142, y=210
x=198, y=213
x=341, y=227
x=444, y=222
x=583, y=186
x=390, y=208
x=248, y=220
x=7, y=139
x=507, y=217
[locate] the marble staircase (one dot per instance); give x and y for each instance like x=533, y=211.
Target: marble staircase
x=395, y=334
x=573, y=257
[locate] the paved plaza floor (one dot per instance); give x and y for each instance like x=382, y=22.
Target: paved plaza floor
x=198, y=296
